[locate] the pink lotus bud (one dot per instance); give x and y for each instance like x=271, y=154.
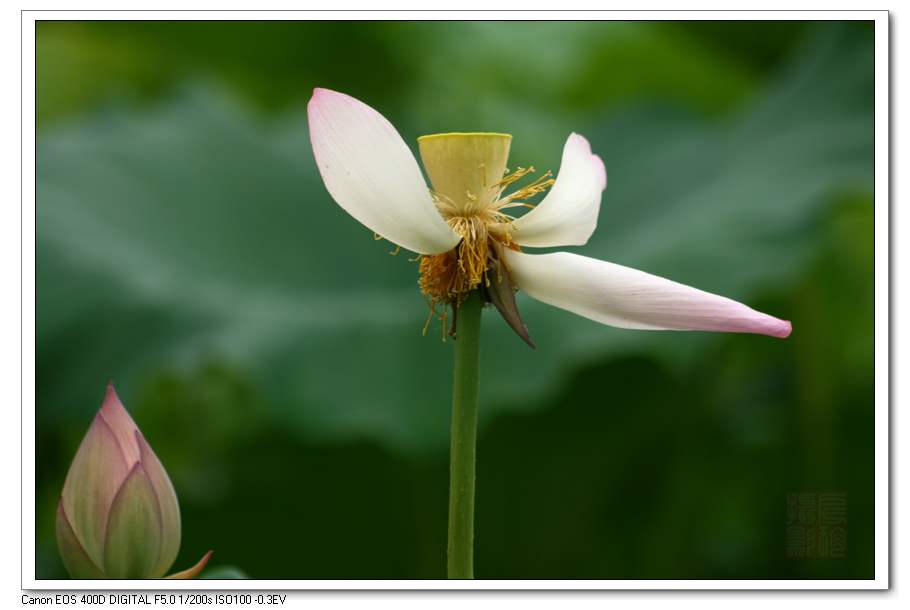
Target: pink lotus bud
x=118, y=515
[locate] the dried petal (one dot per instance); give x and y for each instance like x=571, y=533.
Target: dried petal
x=499, y=291
x=193, y=572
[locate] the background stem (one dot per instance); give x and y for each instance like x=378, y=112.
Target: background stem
x=464, y=439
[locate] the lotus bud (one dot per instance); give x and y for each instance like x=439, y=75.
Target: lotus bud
x=118, y=515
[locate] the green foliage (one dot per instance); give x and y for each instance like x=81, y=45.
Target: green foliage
x=223, y=573
x=200, y=232
x=271, y=349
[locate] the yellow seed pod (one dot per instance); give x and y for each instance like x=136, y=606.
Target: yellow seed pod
x=465, y=168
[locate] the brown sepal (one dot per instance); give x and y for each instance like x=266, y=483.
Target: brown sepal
x=498, y=290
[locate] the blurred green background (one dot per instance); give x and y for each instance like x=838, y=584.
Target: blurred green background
x=271, y=352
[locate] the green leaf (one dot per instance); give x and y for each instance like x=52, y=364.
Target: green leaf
x=224, y=573
x=83, y=64
x=194, y=232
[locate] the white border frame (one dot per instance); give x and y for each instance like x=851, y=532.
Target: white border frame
x=882, y=360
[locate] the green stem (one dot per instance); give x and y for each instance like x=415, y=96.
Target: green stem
x=464, y=438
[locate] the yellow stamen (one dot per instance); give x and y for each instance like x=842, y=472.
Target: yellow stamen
x=468, y=173
x=518, y=174
x=538, y=186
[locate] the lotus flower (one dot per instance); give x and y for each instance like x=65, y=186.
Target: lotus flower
x=468, y=238
x=118, y=515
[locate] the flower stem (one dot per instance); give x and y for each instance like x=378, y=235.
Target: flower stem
x=464, y=438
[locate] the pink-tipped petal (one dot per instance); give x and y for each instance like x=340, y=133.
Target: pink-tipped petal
x=132, y=543
x=167, y=503
x=97, y=471
x=567, y=216
x=628, y=298
x=121, y=424
x=371, y=173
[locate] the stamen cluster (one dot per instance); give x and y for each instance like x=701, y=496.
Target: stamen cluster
x=445, y=279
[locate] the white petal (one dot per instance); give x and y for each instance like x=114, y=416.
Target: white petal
x=627, y=298
x=567, y=216
x=372, y=174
